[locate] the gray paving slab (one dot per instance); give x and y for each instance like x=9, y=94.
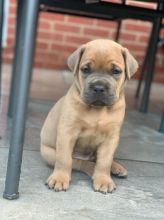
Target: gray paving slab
x=141, y=196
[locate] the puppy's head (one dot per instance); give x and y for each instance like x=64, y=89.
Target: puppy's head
x=100, y=68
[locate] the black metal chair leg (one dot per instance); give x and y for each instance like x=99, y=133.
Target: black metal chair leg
x=150, y=68
x=161, y=129
x=142, y=74
x=26, y=50
x=1, y=32
x=141, y=78
x=119, y=24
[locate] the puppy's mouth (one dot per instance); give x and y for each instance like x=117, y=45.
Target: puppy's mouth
x=99, y=101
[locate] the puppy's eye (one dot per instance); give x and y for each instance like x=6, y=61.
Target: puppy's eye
x=86, y=69
x=116, y=72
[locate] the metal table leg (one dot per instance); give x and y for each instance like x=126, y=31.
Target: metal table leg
x=150, y=67
x=16, y=61
x=1, y=32
x=25, y=51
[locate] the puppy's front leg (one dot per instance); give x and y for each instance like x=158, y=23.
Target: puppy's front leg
x=102, y=180
x=61, y=176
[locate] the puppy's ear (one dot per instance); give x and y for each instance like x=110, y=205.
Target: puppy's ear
x=131, y=64
x=74, y=59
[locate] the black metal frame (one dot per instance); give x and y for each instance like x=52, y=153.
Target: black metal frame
x=100, y=10
x=25, y=42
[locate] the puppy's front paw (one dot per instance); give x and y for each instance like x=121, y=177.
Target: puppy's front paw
x=104, y=184
x=58, y=180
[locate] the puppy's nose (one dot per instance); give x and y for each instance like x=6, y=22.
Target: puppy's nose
x=97, y=88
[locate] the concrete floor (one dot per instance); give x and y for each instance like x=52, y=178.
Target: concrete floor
x=141, y=151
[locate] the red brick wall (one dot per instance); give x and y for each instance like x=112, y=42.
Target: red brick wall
x=59, y=35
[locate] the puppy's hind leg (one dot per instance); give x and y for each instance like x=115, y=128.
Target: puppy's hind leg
x=118, y=170
x=48, y=155
x=84, y=166
x=87, y=167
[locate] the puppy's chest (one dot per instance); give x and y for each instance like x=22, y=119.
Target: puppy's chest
x=91, y=137
x=96, y=128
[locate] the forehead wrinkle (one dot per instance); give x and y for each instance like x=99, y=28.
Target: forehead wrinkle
x=86, y=61
x=103, y=54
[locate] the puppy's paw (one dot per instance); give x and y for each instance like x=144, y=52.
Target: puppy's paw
x=118, y=170
x=103, y=184
x=59, y=181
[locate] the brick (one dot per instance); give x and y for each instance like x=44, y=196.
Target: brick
x=38, y=64
x=41, y=45
x=127, y=36
x=66, y=28
x=10, y=41
x=160, y=51
x=135, y=27
x=11, y=20
x=143, y=38
x=58, y=66
x=95, y=32
x=12, y=1
x=162, y=32
x=80, y=20
x=55, y=65
x=136, y=22
x=44, y=35
x=12, y=10
x=49, y=36
x=7, y=60
x=51, y=58
x=159, y=69
x=8, y=51
x=52, y=16
x=142, y=4
x=77, y=39
x=160, y=59
x=44, y=24
x=112, y=36
x=11, y=31
x=135, y=47
x=159, y=78
x=46, y=57
x=107, y=24
x=63, y=48
x=139, y=58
